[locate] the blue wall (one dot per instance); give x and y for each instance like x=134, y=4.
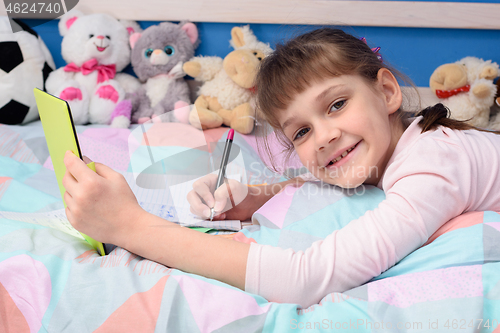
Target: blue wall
x=414, y=51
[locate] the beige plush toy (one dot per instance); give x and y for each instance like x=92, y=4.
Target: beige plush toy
x=225, y=96
x=467, y=89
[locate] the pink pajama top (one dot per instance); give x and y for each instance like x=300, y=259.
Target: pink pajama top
x=430, y=179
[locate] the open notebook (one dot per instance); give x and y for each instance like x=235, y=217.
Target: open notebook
x=169, y=204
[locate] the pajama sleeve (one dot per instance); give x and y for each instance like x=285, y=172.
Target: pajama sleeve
x=426, y=184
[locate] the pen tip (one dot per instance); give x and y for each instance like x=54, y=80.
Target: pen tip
x=230, y=135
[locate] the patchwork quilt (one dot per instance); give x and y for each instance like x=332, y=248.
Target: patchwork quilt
x=51, y=281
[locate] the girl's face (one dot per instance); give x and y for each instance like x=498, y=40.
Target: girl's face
x=341, y=129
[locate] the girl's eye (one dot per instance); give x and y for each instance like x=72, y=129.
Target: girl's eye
x=148, y=53
x=300, y=133
x=337, y=106
x=169, y=50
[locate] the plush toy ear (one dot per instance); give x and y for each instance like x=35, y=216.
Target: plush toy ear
x=134, y=38
x=67, y=21
x=237, y=37
x=489, y=72
x=192, y=31
x=131, y=26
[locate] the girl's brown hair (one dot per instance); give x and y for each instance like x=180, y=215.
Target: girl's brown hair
x=439, y=115
x=313, y=57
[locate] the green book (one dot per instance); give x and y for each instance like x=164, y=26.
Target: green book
x=60, y=134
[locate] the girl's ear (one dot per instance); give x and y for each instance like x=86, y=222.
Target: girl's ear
x=391, y=89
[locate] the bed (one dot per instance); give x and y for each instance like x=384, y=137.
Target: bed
x=51, y=281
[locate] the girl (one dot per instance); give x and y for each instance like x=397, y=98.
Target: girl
x=339, y=107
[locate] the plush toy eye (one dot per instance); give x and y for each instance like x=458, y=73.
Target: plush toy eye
x=169, y=50
x=108, y=37
x=257, y=56
x=148, y=53
x=91, y=35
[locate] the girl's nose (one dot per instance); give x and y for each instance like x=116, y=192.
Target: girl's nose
x=324, y=136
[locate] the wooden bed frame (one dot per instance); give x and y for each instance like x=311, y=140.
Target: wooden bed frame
x=422, y=14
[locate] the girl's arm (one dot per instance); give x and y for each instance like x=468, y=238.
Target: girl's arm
x=102, y=205
x=188, y=250
x=426, y=185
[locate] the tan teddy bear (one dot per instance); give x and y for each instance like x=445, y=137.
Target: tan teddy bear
x=225, y=97
x=467, y=89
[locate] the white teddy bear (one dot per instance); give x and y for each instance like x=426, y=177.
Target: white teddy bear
x=96, y=47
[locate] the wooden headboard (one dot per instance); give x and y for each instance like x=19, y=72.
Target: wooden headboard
x=348, y=13
x=453, y=29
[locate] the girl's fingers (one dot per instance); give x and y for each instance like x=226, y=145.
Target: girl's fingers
x=77, y=167
x=68, y=199
x=198, y=207
x=69, y=204
x=229, y=195
x=203, y=187
x=206, y=214
x=223, y=198
x=105, y=171
x=87, y=160
x=69, y=182
x=68, y=215
x=221, y=216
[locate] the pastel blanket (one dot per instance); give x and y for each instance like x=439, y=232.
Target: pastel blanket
x=53, y=282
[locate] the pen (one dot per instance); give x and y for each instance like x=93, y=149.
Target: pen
x=223, y=165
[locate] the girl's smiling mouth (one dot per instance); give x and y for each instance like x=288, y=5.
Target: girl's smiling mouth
x=342, y=157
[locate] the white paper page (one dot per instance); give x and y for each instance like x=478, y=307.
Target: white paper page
x=170, y=203
x=155, y=194
x=54, y=219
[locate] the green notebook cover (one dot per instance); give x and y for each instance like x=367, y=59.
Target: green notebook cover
x=61, y=136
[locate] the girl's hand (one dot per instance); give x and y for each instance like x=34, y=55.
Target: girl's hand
x=100, y=204
x=202, y=198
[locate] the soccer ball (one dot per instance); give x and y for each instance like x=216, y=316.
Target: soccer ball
x=25, y=64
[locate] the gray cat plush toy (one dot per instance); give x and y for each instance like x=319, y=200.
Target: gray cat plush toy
x=158, y=54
